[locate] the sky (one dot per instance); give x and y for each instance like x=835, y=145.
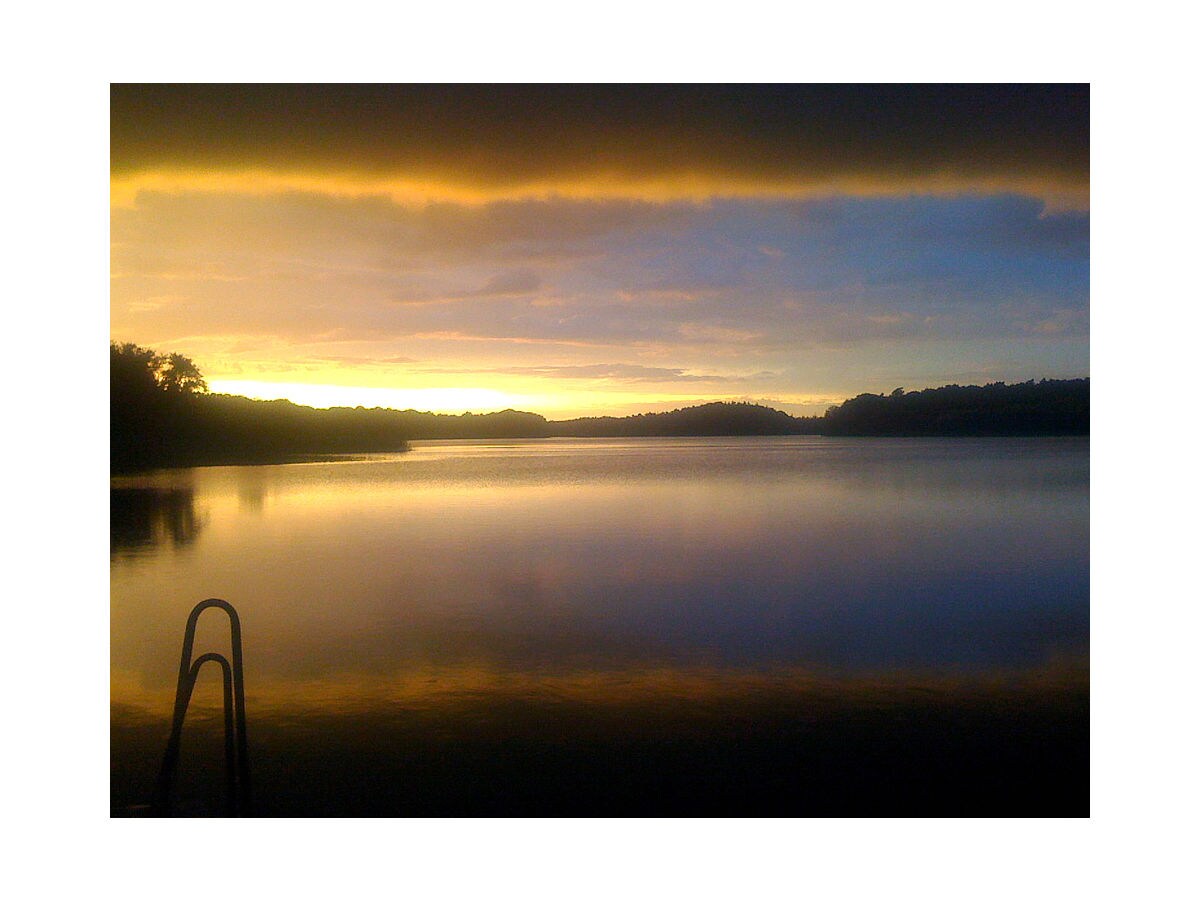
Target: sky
x=591, y=250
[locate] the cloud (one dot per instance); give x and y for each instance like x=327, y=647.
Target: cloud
x=508, y=284
x=356, y=361
x=622, y=372
x=481, y=143
x=675, y=292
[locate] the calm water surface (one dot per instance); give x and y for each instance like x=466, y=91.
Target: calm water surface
x=790, y=626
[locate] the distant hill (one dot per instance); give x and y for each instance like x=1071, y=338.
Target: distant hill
x=1057, y=407
x=708, y=420
x=508, y=423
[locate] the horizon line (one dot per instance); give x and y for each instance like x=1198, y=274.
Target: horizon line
x=761, y=405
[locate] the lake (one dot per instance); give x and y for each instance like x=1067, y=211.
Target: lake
x=791, y=626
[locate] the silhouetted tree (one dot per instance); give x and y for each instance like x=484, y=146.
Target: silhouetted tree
x=178, y=374
x=137, y=369
x=131, y=369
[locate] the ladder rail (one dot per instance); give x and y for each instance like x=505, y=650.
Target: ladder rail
x=237, y=757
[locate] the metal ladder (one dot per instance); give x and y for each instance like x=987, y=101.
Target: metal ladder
x=237, y=761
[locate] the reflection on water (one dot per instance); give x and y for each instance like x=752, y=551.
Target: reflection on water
x=143, y=518
x=253, y=483
x=778, y=591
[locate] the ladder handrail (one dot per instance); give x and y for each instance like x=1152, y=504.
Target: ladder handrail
x=237, y=757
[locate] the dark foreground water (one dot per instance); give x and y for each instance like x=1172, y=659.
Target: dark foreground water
x=739, y=626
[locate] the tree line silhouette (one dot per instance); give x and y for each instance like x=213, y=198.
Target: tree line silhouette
x=162, y=414
x=1031, y=408
x=1046, y=407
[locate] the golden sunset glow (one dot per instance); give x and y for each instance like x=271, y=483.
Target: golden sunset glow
x=1059, y=196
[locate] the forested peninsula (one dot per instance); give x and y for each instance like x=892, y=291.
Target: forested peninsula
x=162, y=414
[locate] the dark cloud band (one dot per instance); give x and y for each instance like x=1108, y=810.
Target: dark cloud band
x=508, y=138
